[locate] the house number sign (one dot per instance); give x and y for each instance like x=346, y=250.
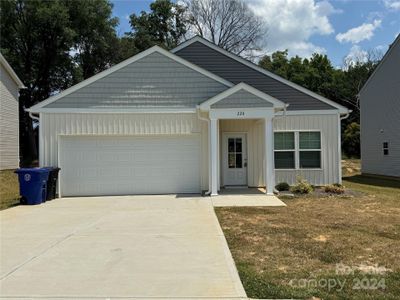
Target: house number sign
x=240, y=113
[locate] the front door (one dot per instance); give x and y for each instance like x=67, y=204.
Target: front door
x=235, y=159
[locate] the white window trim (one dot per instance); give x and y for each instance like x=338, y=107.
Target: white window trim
x=287, y=150
x=297, y=150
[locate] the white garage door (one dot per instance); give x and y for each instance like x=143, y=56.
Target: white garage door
x=129, y=165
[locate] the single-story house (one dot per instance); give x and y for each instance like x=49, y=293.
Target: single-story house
x=10, y=85
x=380, y=116
x=193, y=119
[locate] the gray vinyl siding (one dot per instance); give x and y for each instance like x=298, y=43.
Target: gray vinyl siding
x=380, y=117
x=151, y=82
x=9, y=127
x=236, y=72
x=241, y=99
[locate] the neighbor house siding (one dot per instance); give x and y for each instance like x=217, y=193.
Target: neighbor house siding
x=52, y=125
x=9, y=127
x=153, y=81
x=328, y=125
x=380, y=117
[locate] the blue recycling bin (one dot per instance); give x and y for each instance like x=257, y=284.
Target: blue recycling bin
x=32, y=185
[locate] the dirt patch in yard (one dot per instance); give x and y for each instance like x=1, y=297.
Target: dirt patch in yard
x=282, y=251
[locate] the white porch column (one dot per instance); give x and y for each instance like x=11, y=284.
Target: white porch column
x=214, y=156
x=269, y=165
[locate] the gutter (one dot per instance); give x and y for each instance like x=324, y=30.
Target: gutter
x=208, y=193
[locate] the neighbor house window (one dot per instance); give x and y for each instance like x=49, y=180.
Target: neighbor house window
x=309, y=150
x=297, y=150
x=284, y=150
x=385, y=148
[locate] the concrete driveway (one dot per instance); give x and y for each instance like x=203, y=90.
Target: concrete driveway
x=128, y=246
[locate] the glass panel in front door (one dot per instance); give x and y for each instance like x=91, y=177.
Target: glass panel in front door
x=235, y=154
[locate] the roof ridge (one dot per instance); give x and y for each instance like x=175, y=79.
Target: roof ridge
x=259, y=69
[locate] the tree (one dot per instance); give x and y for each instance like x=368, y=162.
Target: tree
x=230, y=24
x=351, y=140
x=37, y=38
x=164, y=25
x=95, y=39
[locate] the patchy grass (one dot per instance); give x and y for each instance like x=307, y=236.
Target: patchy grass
x=9, y=189
x=280, y=250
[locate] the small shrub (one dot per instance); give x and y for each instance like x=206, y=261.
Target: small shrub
x=282, y=186
x=335, y=188
x=301, y=187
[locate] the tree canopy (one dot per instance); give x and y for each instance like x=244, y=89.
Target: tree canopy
x=164, y=25
x=230, y=24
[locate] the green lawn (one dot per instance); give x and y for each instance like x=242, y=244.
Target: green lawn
x=9, y=189
x=348, y=242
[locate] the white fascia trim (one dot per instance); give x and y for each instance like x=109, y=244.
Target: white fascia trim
x=37, y=107
x=342, y=108
x=308, y=112
x=245, y=87
x=118, y=110
x=12, y=73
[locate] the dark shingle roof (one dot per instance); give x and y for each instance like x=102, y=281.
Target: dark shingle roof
x=236, y=72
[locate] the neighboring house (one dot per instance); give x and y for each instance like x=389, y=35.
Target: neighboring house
x=9, y=127
x=194, y=119
x=380, y=117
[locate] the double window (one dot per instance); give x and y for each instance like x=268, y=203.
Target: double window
x=297, y=150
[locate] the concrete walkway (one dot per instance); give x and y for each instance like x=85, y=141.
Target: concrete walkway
x=131, y=246
x=245, y=197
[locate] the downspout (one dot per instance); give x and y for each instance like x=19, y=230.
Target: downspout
x=207, y=193
x=33, y=117
x=284, y=118
x=345, y=116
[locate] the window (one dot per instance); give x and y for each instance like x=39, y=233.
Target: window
x=235, y=154
x=284, y=150
x=385, y=148
x=309, y=150
x=297, y=150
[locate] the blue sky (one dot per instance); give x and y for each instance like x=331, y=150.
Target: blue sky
x=341, y=28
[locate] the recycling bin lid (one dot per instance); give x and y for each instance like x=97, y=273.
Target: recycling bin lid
x=32, y=170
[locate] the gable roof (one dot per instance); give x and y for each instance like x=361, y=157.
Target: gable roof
x=395, y=44
x=257, y=99
x=236, y=69
x=49, y=104
x=10, y=71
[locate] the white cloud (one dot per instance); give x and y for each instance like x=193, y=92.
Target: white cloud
x=392, y=4
x=356, y=55
x=360, y=33
x=291, y=23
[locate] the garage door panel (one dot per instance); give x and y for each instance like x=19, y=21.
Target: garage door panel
x=129, y=165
